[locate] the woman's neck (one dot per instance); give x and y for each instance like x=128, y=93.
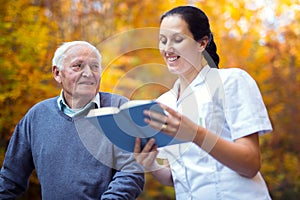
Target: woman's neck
x=187, y=79
x=185, y=82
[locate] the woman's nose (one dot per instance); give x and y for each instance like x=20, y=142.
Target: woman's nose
x=168, y=47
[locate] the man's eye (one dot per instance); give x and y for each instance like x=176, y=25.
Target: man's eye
x=95, y=67
x=76, y=67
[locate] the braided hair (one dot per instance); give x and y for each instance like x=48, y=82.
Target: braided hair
x=198, y=25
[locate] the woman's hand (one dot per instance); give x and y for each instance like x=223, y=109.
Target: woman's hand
x=147, y=158
x=174, y=124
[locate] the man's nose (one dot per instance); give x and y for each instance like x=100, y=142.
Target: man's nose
x=87, y=71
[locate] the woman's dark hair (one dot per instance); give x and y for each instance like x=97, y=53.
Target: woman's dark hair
x=198, y=25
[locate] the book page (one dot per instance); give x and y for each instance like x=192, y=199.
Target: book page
x=113, y=110
x=103, y=111
x=133, y=103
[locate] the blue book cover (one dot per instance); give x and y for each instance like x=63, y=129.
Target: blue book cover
x=122, y=125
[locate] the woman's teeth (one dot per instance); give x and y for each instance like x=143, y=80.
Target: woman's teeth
x=172, y=59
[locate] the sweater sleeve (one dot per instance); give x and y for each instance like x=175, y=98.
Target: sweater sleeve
x=128, y=180
x=17, y=165
x=124, y=186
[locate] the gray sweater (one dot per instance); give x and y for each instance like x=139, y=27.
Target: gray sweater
x=72, y=159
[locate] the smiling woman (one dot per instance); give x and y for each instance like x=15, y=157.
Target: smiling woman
x=180, y=51
x=220, y=112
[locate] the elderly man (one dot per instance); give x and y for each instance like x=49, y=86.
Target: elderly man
x=54, y=138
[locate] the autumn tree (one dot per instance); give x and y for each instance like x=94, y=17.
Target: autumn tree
x=258, y=36
x=24, y=53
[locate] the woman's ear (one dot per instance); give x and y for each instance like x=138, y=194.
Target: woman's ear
x=56, y=74
x=203, y=43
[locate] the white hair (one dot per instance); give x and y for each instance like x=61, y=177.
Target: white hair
x=59, y=54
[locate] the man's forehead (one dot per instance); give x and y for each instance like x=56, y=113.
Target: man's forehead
x=83, y=58
x=82, y=52
x=80, y=49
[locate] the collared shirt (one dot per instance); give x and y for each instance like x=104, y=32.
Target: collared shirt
x=62, y=105
x=228, y=103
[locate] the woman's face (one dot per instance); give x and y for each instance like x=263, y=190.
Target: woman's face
x=177, y=46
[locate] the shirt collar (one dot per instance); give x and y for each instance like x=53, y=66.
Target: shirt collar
x=62, y=105
x=199, y=79
x=201, y=76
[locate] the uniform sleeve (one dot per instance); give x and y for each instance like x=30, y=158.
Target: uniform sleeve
x=245, y=110
x=17, y=165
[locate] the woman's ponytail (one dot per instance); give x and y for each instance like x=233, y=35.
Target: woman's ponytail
x=210, y=53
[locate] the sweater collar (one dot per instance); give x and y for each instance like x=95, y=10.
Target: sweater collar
x=62, y=105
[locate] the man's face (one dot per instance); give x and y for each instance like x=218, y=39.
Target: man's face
x=80, y=76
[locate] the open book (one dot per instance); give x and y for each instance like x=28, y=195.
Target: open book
x=122, y=125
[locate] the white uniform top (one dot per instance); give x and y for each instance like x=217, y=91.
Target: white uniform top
x=228, y=103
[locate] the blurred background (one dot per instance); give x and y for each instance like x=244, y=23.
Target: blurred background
x=260, y=36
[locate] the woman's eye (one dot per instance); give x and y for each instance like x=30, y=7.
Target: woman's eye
x=163, y=40
x=178, y=39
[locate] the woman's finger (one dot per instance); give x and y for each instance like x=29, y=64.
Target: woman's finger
x=149, y=145
x=137, y=145
x=155, y=116
x=171, y=111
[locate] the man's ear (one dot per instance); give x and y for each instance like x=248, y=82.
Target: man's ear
x=56, y=74
x=202, y=43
